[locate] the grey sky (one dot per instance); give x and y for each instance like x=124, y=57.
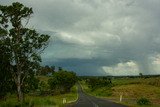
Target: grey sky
x=99, y=37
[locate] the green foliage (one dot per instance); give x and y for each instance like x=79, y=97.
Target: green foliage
x=105, y=91
x=143, y=101
x=53, y=82
x=62, y=81
x=43, y=87
x=126, y=81
x=43, y=101
x=94, y=83
x=141, y=75
x=30, y=84
x=46, y=70
x=6, y=82
x=17, y=104
x=101, y=92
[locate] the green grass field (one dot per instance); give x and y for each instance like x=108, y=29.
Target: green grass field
x=131, y=90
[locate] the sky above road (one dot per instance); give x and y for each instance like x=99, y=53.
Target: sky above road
x=99, y=37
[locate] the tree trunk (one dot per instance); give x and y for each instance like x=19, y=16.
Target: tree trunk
x=19, y=89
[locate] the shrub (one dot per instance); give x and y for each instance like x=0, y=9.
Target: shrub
x=143, y=101
x=42, y=88
x=62, y=81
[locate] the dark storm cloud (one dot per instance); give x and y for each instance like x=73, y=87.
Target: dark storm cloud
x=90, y=35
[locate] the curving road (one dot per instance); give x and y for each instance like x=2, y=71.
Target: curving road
x=85, y=100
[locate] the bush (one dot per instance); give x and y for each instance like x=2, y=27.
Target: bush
x=143, y=101
x=62, y=81
x=43, y=88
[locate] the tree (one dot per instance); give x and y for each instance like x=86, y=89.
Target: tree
x=141, y=75
x=60, y=69
x=24, y=45
x=62, y=81
x=53, y=68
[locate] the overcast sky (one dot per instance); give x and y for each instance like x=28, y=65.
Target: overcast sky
x=99, y=37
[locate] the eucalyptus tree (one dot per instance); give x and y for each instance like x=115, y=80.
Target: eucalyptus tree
x=23, y=44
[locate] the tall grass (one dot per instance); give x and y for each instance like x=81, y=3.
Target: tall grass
x=155, y=81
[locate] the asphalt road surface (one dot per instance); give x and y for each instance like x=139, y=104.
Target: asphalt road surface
x=85, y=100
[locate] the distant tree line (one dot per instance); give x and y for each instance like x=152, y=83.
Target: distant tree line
x=95, y=82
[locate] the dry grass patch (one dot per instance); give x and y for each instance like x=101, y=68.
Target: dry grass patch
x=137, y=91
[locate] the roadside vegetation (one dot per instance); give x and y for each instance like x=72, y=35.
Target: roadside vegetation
x=41, y=100
x=43, y=95
x=135, y=91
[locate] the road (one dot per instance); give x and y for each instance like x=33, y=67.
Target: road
x=85, y=100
